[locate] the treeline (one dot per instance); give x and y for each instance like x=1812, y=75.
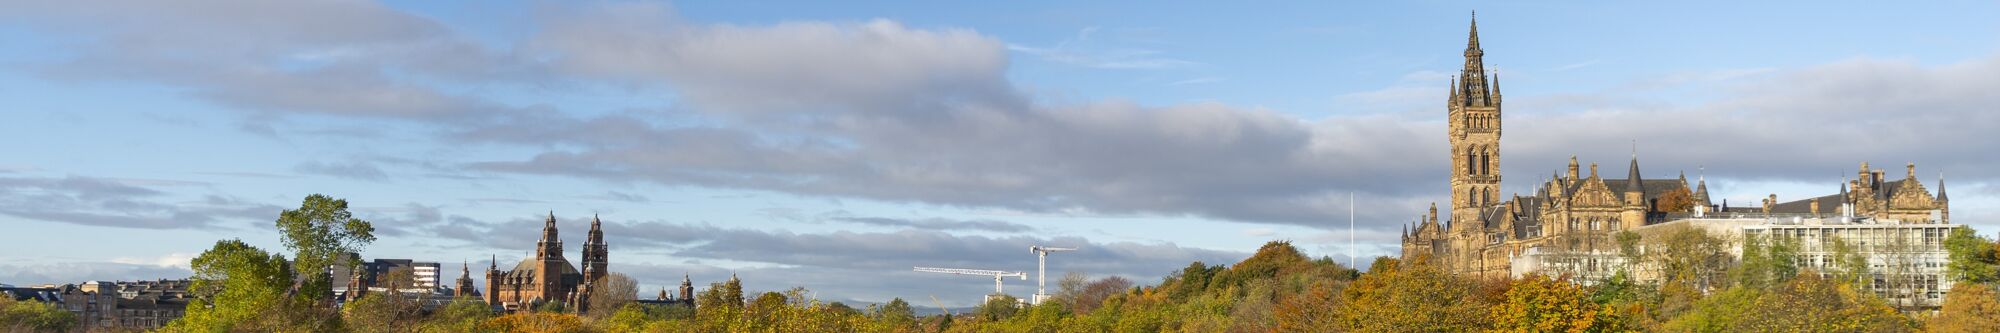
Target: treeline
x=1702, y=288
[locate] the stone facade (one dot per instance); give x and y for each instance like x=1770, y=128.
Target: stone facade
x=548, y=277
x=1573, y=212
x=113, y=306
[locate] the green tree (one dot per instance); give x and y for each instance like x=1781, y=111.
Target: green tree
x=1767, y=261
x=32, y=316
x=234, y=284
x=896, y=314
x=999, y=308
x=1688, y=255
x=1972, y=257
x=319, y=234
x=1849, y=266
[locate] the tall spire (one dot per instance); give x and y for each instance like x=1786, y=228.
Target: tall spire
x=1472, y=38
x=1471, y=88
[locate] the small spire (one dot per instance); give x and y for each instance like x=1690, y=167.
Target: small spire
x=1632, y=181
x=1941, y=197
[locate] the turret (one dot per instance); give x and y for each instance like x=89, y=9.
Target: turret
x=595, y=253
x=1572, y=168
x=687, y=288
x=551, y=244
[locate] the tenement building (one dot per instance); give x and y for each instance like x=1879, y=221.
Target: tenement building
x=1569, y=223
x=548, y=277
x=112, y=306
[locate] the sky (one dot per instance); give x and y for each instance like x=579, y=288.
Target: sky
x=835, y=145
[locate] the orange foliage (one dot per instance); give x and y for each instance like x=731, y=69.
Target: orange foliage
x=536, y=322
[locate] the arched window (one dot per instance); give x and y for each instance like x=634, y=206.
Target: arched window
x=1469, y=162
x=1485, y=167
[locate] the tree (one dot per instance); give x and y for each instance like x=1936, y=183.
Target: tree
x=1969, y=307
x=1677, y=200
x=1808, y=303
x=1767, y=261
x=1313, y=311
x=464, y=314
x=1536, y=303
x=319, y=234
x=896, y=314
x=396, y=278
x=537, y=322
x=1093, y=294
x=1972, y=257
x=1804, y=303
x=234, y=285
x=1410, y=296
x=389, y=311
x=1069, y=286
x=611, y=294
x=32, y=316
x=999, y=308
x=1688, y=255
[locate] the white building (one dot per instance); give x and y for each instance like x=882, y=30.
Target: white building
x=1905, y=261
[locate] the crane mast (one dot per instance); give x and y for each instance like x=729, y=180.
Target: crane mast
x=1042, y=270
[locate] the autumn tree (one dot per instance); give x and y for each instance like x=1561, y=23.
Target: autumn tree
x=1536, y=303
x=463, y=314
x=319, y=233
x=1804, y=303
x=390, y=311
x=1410, y=296
x=1313, y=311
x=535, y=322
x=1969, y=307
x=1677, y=200
x=609, y=295
x=1094, y=293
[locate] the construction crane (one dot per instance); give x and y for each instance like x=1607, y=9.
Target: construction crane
x=1042, y=269
x=997, y=275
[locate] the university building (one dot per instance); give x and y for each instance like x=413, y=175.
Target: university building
x=1568, y=224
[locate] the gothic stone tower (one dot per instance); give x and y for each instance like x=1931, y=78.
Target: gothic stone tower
x=1474, y=133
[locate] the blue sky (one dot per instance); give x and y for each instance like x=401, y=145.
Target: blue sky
x=833, y=145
